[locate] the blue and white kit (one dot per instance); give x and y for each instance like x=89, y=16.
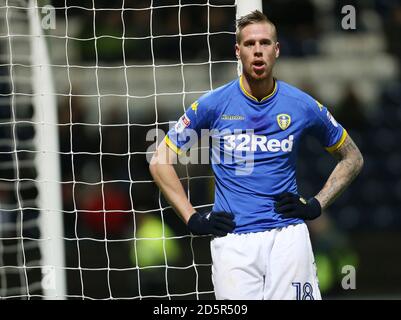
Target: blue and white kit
x=267, y=134
x=254, y=153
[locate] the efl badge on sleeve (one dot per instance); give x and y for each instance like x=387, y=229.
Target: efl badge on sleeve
x=331, y=118
x=284, y=121
x=182, y=123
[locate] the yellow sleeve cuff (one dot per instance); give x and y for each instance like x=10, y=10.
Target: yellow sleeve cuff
x=172, y=146
x=339, y=143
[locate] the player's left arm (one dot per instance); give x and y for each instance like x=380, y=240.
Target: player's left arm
x=350, y=163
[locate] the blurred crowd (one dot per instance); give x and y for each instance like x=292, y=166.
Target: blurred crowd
x=211, y=27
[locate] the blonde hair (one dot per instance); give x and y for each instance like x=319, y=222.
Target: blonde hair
x=253, y=17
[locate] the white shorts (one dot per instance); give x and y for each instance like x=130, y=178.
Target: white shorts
x=273, y=265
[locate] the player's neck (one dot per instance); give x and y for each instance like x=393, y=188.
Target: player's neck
x=258, y=88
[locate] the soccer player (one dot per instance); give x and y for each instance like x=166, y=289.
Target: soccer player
x=260, y=246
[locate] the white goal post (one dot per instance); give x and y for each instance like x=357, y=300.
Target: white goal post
x=245, y=7
x=47, y=163
x=37, y=76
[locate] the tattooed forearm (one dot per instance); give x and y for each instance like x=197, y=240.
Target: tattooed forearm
x=350, y=163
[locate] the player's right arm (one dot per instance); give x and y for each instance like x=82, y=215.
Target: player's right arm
x=163, y=172
x=176, y=142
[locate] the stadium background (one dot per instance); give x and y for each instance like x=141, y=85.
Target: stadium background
x=356, y=73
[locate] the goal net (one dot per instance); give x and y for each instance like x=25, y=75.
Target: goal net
x=87, y=90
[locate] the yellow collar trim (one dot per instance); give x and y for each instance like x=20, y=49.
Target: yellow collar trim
x=254, y=98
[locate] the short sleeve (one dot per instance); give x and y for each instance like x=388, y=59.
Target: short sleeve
x=325, y=128
x=188, y=129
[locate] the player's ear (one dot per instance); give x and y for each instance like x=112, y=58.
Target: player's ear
x=277, y=49
x=237, y=51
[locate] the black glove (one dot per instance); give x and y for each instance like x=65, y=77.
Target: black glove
x=215, y=223
x=291, y=205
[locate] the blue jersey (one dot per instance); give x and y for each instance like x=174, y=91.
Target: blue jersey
x=254, y=146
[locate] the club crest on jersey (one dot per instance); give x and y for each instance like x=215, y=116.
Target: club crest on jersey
x=284, y=121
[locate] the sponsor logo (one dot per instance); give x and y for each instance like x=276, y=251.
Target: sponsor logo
x=232, y=117
x=284, y=121
x=238, y=147
x=252, y=143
